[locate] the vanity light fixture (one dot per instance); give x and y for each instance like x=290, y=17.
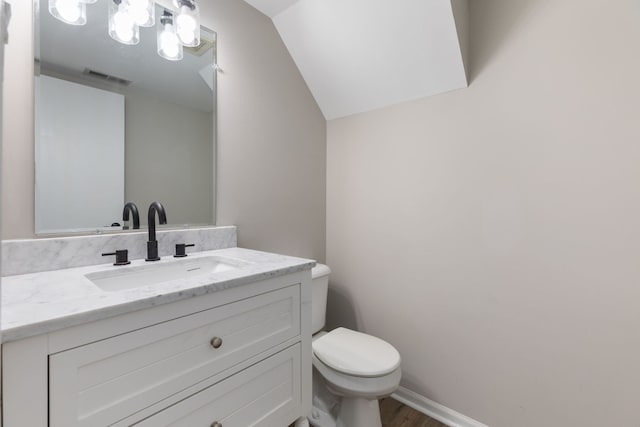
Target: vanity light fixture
x=188, y=22
x=73, y=12
x=122, y=26
x=169, y=46
x=175, y=29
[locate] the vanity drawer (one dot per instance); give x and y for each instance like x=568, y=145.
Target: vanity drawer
x=263, y=395
x=101, y=383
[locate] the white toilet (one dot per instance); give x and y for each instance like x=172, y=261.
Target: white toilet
x=351, y=371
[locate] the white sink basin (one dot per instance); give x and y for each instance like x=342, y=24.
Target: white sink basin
x=158, y=272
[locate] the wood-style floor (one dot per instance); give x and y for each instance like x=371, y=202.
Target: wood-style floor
x=396, y=414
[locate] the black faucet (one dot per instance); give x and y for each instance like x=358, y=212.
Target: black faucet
x=131, y=207
x=152, y=244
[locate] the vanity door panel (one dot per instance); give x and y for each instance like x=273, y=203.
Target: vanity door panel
x=263, y=395
x=103, y=382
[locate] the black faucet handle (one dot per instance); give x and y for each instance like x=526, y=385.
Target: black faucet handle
x=122, y=256
x=181, y=249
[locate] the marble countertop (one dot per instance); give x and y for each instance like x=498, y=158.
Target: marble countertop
x=39, y=303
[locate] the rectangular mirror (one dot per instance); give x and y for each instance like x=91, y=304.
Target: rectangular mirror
x=117, y=123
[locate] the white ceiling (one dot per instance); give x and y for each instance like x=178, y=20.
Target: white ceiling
x=359, y=55
x=271, y=7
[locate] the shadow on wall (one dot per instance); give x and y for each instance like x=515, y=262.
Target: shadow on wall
x=486, y=40
x=340, y=309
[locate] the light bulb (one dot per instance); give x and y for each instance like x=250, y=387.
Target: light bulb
x=122, y=27
x=187, y=24
x=169, y=46
x=69, y=11
x=187, y=36
x=142, y=12
x=185, y=20
x=140, y=16
x=169, y=42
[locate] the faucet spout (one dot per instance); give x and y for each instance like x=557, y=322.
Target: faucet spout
x=152, y=244
x=131, y=208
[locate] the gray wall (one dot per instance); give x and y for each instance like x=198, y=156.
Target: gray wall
x=271, y=138
x=17, y=132
x=271, y=135
x=492, y=234
x=168, y=157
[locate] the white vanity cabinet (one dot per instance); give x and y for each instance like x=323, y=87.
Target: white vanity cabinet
x=232, y=358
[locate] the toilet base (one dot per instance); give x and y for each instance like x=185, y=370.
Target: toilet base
x=320, y=418
x=354, y=412
x=331, y=410
x=359, y=412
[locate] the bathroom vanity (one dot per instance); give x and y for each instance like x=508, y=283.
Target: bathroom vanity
x=228, y=346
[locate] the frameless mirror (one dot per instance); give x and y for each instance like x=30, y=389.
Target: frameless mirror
x=117, y=123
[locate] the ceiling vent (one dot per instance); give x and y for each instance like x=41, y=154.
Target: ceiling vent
x=202, y=48
x=105, y=77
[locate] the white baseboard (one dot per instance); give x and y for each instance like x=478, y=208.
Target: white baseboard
x=434, y=410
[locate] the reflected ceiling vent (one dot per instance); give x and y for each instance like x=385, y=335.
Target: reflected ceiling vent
x=202, y=48
x=105, y=77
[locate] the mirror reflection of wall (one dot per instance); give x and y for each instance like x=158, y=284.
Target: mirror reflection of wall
x=117, y=124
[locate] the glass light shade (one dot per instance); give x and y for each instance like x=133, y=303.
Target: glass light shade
x=142, y=12
x=169, y=46
x=188, y=23
x=73, y=12
x=122, y=27
x=88, y=1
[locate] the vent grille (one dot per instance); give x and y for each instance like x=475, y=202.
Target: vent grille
x=105, y=77
x=202, y=48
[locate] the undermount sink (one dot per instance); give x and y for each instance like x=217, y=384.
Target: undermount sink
x=154, y=273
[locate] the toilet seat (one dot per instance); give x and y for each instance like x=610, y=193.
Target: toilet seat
x=354, y=353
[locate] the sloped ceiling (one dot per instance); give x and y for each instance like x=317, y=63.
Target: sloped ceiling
x=359, y=55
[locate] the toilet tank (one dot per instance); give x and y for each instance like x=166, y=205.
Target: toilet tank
x=319, y=288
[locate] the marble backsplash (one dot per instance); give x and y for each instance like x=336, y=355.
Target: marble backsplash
x=35, y=255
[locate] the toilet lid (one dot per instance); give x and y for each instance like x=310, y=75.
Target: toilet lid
x=355, y=353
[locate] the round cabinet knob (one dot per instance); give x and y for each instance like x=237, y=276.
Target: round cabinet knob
x=216, y=342
x=216, y=424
